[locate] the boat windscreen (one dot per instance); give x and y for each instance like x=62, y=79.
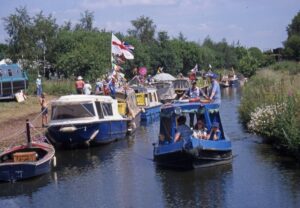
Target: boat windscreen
x=73, y=111
x=181, y=84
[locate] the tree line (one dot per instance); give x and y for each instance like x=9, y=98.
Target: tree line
x=83, y=49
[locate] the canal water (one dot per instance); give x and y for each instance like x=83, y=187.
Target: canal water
x=122, y=174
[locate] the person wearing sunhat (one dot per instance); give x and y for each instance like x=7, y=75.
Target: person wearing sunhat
x=215, y=133
x=214, y=94
x=79, y=84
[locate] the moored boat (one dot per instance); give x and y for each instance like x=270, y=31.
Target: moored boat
x=181, y=85
x=86, y=119
x=26, y=161
x=196, y=152
x=165, y=91
x=127, y=106
x=147, y=100
x=12, y=80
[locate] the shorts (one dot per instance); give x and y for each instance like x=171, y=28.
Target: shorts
x=44, y=111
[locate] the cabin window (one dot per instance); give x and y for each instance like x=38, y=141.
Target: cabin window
x=0, y=73
x=73, y=111
x=165, y=128
x=107, y=109
x=150, y=97
x=155, y=97
x=9, y=72
x=99, y=110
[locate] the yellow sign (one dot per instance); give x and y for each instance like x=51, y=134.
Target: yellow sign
x=140, y=99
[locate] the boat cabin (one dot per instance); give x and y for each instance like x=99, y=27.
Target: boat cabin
x=12, y=80
x=83, y=108
x=146, y=97
x=181, y=85
x=165, y=91
x=208, y=113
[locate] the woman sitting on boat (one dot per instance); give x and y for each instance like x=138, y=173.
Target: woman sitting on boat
x=215, y=133
x=183, y=131
x=200, y=131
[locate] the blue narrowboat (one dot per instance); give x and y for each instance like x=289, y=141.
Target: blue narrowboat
x=85, y=120
x=12, y=80
x=147, y=100
x=26, y=161
x=193, y=152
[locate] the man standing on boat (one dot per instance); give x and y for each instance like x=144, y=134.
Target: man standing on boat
x=215, y=91
x=193, y=93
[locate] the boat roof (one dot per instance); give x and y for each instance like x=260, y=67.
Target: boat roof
x=187, y=107
x=144, y=89
x=82, y=98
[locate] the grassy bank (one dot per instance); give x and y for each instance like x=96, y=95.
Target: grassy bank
x=270, y=107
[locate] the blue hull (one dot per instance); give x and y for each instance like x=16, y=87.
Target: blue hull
x=14, y=172
x=203, y=153
x=92, y=133
x=233, y=82
x=151, y=113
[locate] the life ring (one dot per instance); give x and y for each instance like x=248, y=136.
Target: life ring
x=192, y=100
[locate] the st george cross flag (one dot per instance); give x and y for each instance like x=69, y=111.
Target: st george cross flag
x=118, y=48
x=115, y=45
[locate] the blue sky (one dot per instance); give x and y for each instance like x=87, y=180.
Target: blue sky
x=260, y=23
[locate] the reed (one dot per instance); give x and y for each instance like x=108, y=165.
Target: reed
x=270, y=106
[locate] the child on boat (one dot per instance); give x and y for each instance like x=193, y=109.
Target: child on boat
x=200, y=131
x=215, y=133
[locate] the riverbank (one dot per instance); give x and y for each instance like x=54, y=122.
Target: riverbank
x=270, y=107
x=13, y=117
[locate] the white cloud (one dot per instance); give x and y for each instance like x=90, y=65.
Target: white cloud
x=96, y=4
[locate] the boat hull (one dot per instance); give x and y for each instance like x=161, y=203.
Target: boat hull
x=15, y=172
x=233, y=82
x=150, y=113
x=11, y=170
x=175, y=156
x=90, y=133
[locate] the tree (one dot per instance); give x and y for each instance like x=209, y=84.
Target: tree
x=86, y=21
x=44, y=34
x=19, y=29
x=292, y=44
x=3, y=51
x=144, y=29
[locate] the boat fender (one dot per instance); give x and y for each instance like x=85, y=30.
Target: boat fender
x=94, y=135
x=68, y=129
x=54, y=161
x=191, y=100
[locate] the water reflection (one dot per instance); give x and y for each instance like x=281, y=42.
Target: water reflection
x=26, y=187
x=205, y=187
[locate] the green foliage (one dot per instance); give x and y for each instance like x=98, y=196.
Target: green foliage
x=82, y=53
x=3, y=51
x=292, y=44
x=144, y=29
x=273, y=88
x=248, y=65
x=290, y=66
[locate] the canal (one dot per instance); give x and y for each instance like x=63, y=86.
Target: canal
x=122, y=174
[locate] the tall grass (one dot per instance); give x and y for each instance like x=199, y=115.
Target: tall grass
x=267, y=90
x=53, y=87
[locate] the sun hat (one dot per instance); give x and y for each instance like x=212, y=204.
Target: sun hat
x=79, y=78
